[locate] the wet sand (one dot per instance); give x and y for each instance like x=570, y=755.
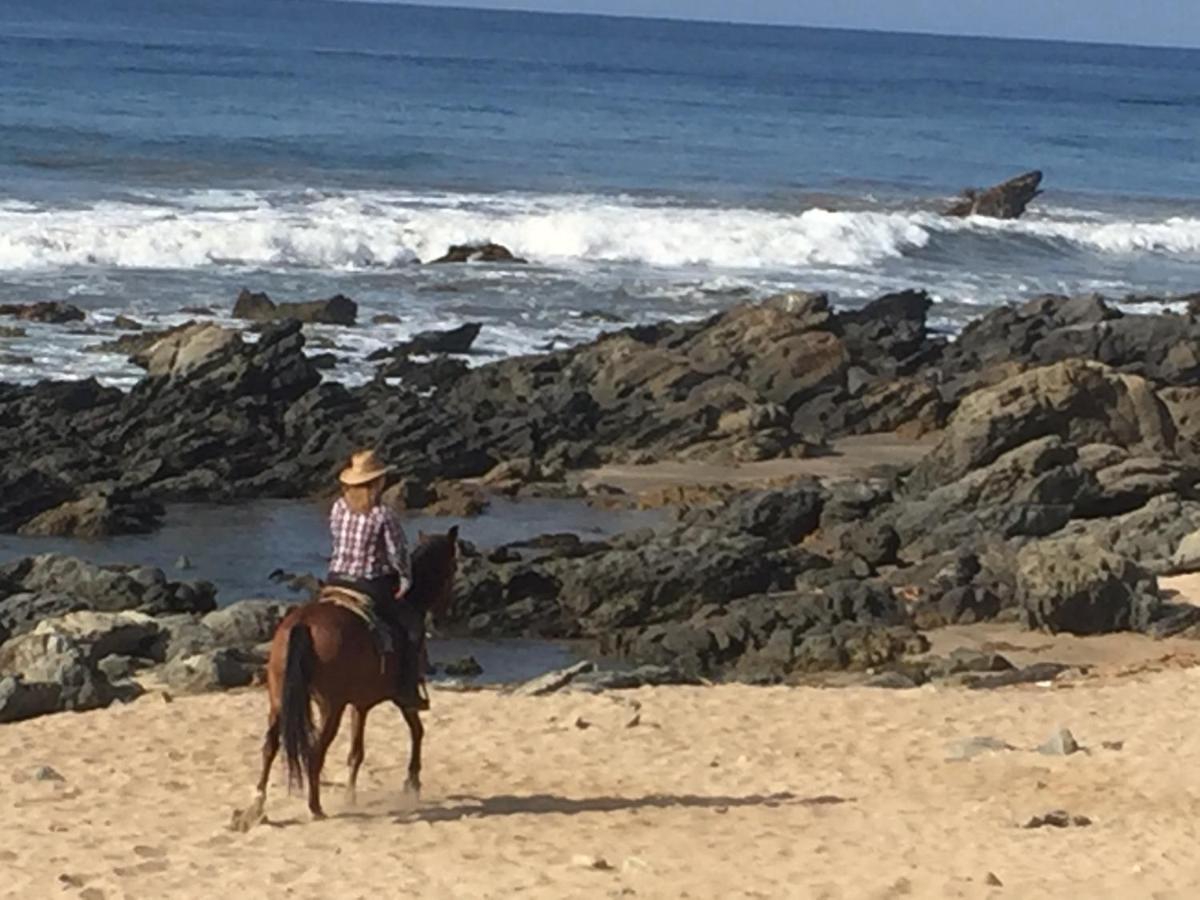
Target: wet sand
x=670, y=792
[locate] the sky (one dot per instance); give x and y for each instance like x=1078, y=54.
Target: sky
x=1157, y=22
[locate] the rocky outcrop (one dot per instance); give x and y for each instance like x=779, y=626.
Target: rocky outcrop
x=486, y=252
x=53, y=312
x=96, y=516
x=184, y=349
x=51, y=586
x=1076, y=400
x=1076, y=586
x=1006, y=200
x=258, y=307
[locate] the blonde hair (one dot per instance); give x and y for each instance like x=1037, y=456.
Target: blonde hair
x=362, y=498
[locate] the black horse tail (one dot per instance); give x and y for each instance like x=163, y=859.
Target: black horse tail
x=296, y=710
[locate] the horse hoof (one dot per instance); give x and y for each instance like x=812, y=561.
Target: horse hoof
x=317, y=814
x=412, y=791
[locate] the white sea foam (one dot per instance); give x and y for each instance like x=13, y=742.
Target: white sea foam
x=369, y=231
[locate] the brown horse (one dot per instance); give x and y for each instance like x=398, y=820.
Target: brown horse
x=324, y=653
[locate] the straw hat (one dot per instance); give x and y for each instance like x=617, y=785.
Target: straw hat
x=364, y=468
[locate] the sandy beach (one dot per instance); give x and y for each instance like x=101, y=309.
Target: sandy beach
x=669, y=792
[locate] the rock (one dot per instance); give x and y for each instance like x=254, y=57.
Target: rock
x=553, y=681
x=325, y=362
x=258, y=307
x=891, y=680
x=629, y=679
x=227, y=667
x=47, y=672
x=9, y=331
x=992, y=880
x=183, y=563
x=101, y=634
x=127, y=324
x=1077, y=401
x=486, y=252
x=467, y=667
x=46, y=773
x=52, y=312
x=117, y=667
x=1061, y=743
x=51, y=586
x=96, y=516
x=20, y=700
x=1003, y=201
x=409, y=493
x=185, y=349
x=452, y=340
x=1034, y=674
x=386, y=319
x=1076, y=586
x=246, y=623
x=976, y=746
x=588, y=861
x=1058, y=818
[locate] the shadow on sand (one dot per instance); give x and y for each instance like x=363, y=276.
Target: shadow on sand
x=461, y=807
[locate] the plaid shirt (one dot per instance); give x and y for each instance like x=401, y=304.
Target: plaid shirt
x=368, y=545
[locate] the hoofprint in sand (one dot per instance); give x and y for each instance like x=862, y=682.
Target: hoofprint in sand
x=669, y=792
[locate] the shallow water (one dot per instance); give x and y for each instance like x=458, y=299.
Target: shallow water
x=237, y=547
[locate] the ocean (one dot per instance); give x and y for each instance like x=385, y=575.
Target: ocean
x=156, y=156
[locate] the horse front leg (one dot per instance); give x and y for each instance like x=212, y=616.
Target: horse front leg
x=412, y=785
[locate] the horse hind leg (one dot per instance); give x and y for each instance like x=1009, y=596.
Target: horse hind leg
x=245, y=819
x=358, y=725
x=332, y=720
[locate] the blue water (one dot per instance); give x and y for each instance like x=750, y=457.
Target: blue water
x=155, y=155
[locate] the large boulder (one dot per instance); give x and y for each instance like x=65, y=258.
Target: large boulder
x=214, y=670
x=246, y=623
x=51, y=311
x=258, y=307
x=51, y=585
x=49, y=672
x=1006, y=200
x=99, y=515
x=184, y=349
x=1078, y=401
x=483, y=252
x=1075, y=585
x=99, y=634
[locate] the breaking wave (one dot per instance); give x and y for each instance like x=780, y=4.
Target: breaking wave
x=373, y=231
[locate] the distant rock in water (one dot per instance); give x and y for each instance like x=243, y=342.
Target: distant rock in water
x=489, y=252
x=1004, y=201
x=53, y=312
x=258, y=307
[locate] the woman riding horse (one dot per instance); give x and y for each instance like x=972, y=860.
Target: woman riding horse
x=324, y=654
x=370, y=555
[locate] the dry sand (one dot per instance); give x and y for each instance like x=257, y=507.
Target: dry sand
x=714, y=792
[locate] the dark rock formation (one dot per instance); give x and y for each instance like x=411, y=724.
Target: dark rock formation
x=1003, y=201
x=489, y=252
x=258, y=307
x=52, y=312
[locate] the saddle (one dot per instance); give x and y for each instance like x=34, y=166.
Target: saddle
x=362, y=606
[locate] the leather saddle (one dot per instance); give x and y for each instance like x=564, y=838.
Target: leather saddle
x=364, y=607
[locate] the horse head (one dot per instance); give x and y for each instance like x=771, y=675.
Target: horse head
x=435, y=563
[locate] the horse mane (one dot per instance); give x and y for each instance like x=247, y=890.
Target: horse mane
x=432, y=567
